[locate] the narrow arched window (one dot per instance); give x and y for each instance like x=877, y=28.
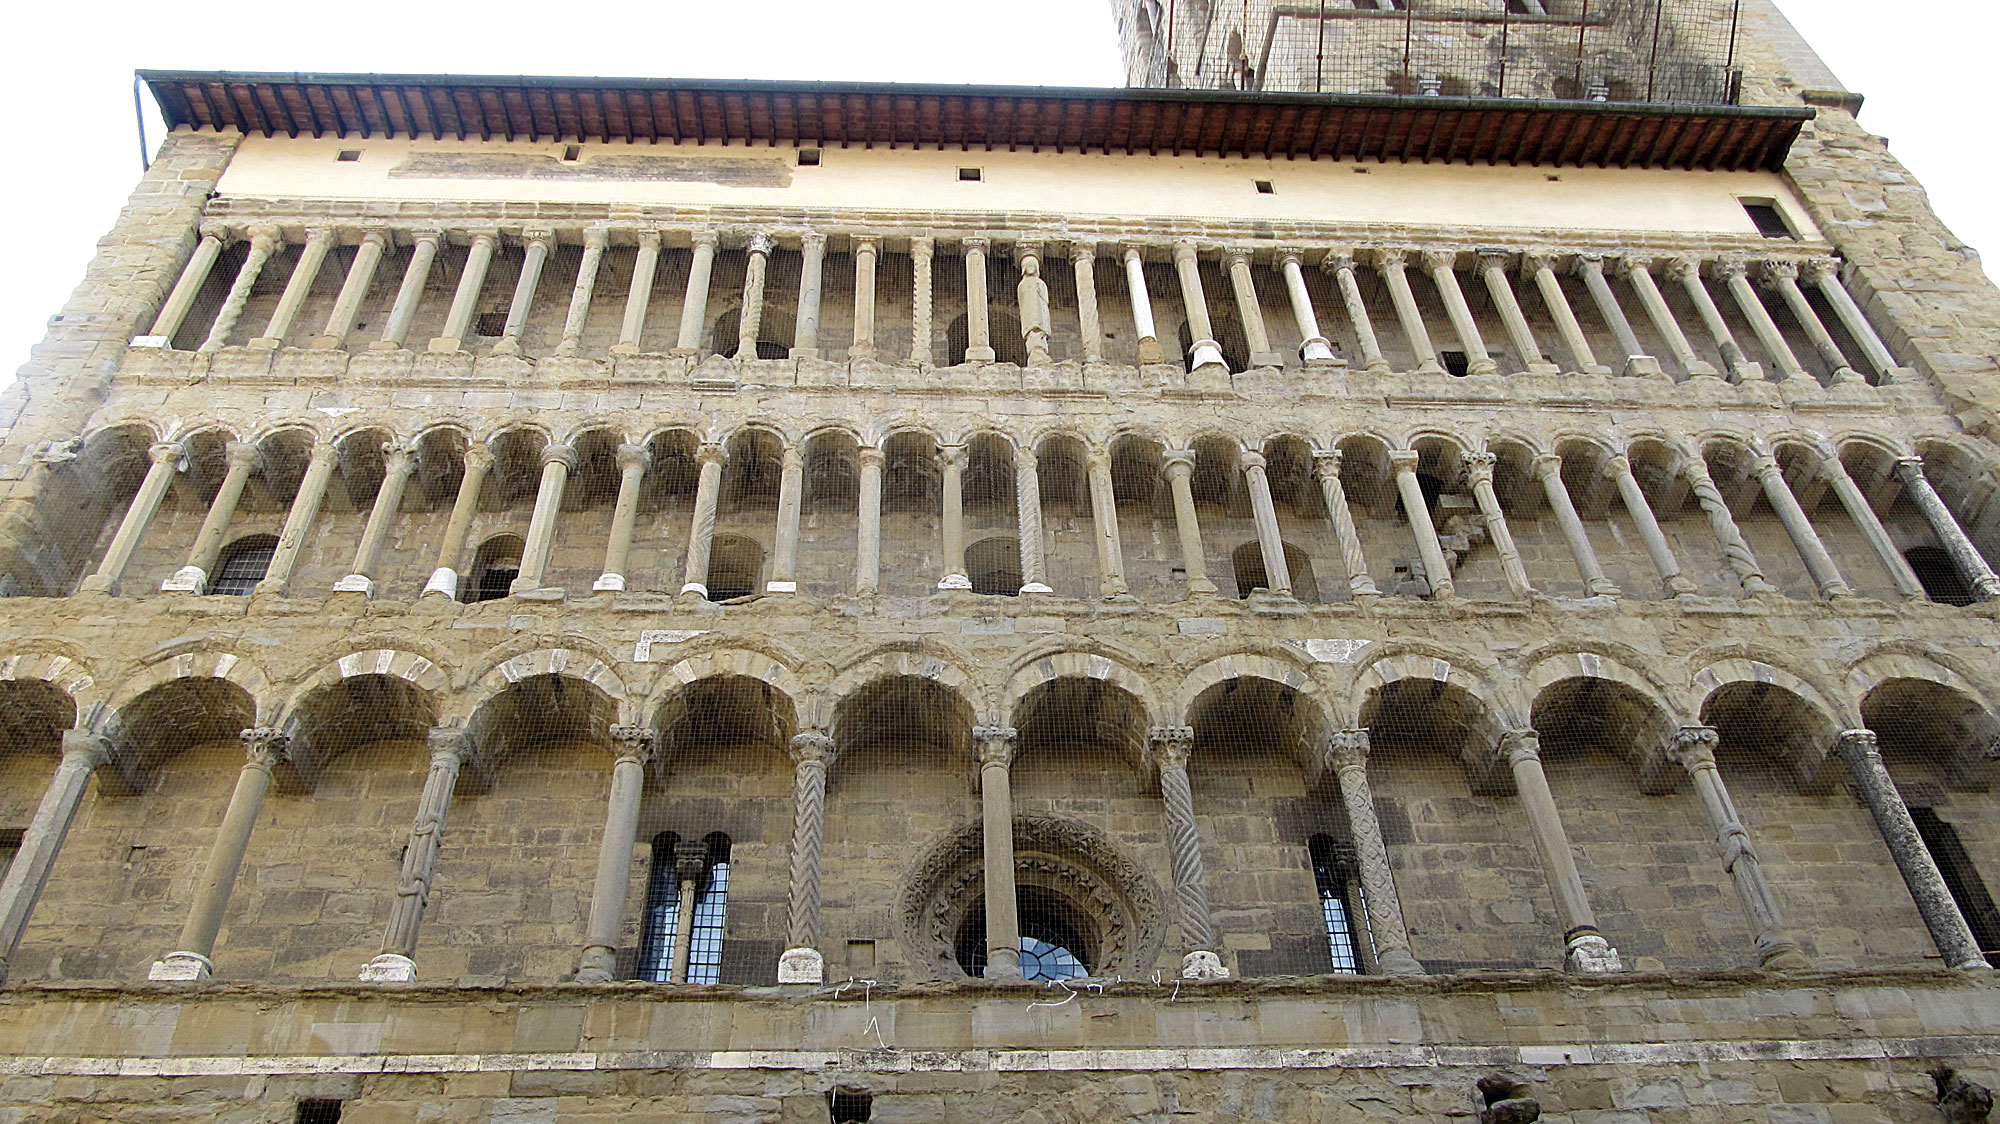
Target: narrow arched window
x=1341, y=904
x=244, y=563
x=494, y=569
x=663, y=912
x=711, y=903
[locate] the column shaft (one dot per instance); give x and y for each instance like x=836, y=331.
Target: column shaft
x=1863, y=514
x=1479, y=473
x=1394, y=267
x=1964, y=555
x=312, y=257
x=1694, y=750
x=411, y=293
x=1493, y=270
x=1326, y=466
x=979, y=340
x=82, y=753
x=996, y=802
x=1104, y=515
x=1735, y=276
x=1031, y=297
x=1548, y=467
x=632, y=330
x=812, y=272
x=449, y=747
x=1640, y=272
x=1083, y=259
x=1954, y=939
x=533, y=258
x=951, y=459
x=1315, y=348
x=1028, y=522
x=1825, y=273
x=353, y=290
x=557, y=462
x=701, y=533
x=1194, y=559
x=867, y=253
x=465, y=300
x=868, y=541
x=750, y=319
x=1250, y=310
x=1557, y=302
x=1655, y=540
x=1586, y=952
x=1443, y=268
x=1171, y=745
x=1591, y=267
x=1811, y=550
x=811, y=751
x=397, y=464
x=1348, y=754
x=1341, y=262
x=193, y=577
x=1688, y=273
x=299, y=520
x=921, y=250
x=191, y=957
x=166, y=460
x=1204, y=351
x=263, y=243
x=1784, y=277
x=694, y=308
x=1270, y=540
x=634, y=746
x=1436, y=572
x=1143, y=327
x=632, y=461
x=1737, y=552
x=785, y=553
x=167, y=323
x=578, y=317
x=444, y=579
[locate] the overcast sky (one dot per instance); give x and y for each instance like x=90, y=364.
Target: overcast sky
x=71, y=164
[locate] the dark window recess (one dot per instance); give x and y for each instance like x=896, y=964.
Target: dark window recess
x=319, y=1110
x=490, y=324
x=573, y=153
x=848, y=1108
x=1264, y=187
x=348, y=156
x=1455, y=363
x=1341, y=905
x=1941, y=580
x=663, y=912
x=1962, y=879
x=808, y=157
x=243, y=565
x=970, y=175
x=1770, y=223
x=10, y=845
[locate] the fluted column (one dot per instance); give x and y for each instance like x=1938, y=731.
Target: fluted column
x=1347, y=753
x=1270, y=540
x=450, y=748
x=1811, y=550
x=1585, y=951
x=1479, y=474
x=1824, y=273
x=465, y=299
x=1965, y=557
x=1143, y=327
x=1436, y=572
x=951, y=463
x=633, y=746
x=1735, y=275
x=1556, y=301
x=1250, y=310
x=1735, y=550
x=299, y=520
x=264, y=241
x=353, y=290
x=1083, y=259
x=802, y=961
x=1442, y=265
x=1341, y=264
x=639, y=295
x=1028, y=522
x=1393, y=262
x=921, y=251
x=791, y=500
x=1688, y=272
x=1492, y=266
x=1179, y=464
x=701, y=534
x=632, y=462
x=1104, y=517
x=995, y=746
x=1591, y=268
x=558, y=461
x=1326, y=468
x=534, y=256
x=1655, y=540
x=595, y=240
x=1863, y=513
x=750, y=319
x=1204, y=351
x=397, y=464
x=1031, y=297
x=1548, y=469
x=978, y=335
x=1948, y=929
x=312, y=257
x=410, y=294
x=1639, y=271
x=867, y=251
x=167, y=323
x=1199, y=961
x=82, y=753
x=168, y=458
x=694, y=307
x=444, y=578
x=263, y=748
x=812, y=273
x=243, y=459
x=1694, y=750
x=868, y=540
x=1784, y=277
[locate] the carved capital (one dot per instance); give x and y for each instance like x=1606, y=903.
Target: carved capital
x=167, y=452
x=1583, y=265
x=1853, y=744
x=216, y=229
x=1819, y=271
x=85, y=748
x=1490, y=260
x=690, y=861
x=1780, y=270
x=711, y=453
x=922, y=248
x=1767, y=467
x=264, y=239
x=870, y=456
x=1679, y=267
x=631, y=457
x=1536, y=261
x=811, y=747
x=479, y=455
x=449, y=745
x=1251, y=460
x=971, y=247
x=1171, y=745
x=1910, y=470
x=1178, y=462
x=1479, y=467
x=1628, y=263
x=1185, y=251
x=434, y=237
x=265, y=746
x=952, y=457
x=243, y=455
x=1731, y=268
x=1389, y=258
x=1339, y=260
x=1326, y=464
x=1618, y=466
x=1347, y=749
x=376, y=236
x=596, y=237
x=564, y=455
x=632, y=743
x=995, y=744
x=1520, y=745
x=1694, y=747
x=1085, y=252
x=812, y=243
x=398, y=457
x=1237, y=255
x=1436, y=261
x=533, y=234
x=760, y=243
x=649, y=240
x=705, y=239
x=1028, y=255
x=1404, y=460
x=1548, y=466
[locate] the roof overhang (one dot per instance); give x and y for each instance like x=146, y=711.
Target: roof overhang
x=1379, y=127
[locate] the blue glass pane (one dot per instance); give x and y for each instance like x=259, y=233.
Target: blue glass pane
x=1041, y=960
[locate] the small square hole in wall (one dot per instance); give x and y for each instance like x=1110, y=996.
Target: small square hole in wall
x=318, y=1110
x=572, y=153
x=1360, y=171
x=1770, y=221
x=1263, y=187
x=1455, y=363
x=808, y=157
x=490, y=324
x=1553, y=179
x=861, y=956
x=348, y=155
x=970, y=175
x=844, y=1107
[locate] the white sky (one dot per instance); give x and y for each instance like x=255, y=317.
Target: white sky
x=1922, y=68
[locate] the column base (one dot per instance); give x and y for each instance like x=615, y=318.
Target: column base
x=1750, y=372
x=445, y=344
x=801, y=966
x=1201, y=587
x=389, y=968
x=507, y=346
x=1201, y=965
x=805, y=353
x=443, y=580
x=187, y=579
x=1399, y=962
x=1150, y=350
x=1543, y=368
x=954, y=581
x=1603, y=588
x=1680, y=585
x=97, y=583
x=781, y=587
x=1317, y=350
x=1205, y=353
x=972, y=354
x=696, y=588
x=615, y=583
x=385, y=345
x=1986, y=587
x=1267, y=359
x=1430, y=367
x=1783, y=956
x=324, y=343
x=1643, y=366
x=356, y=583
x=1899, y=374
x=1700, y=369
x=1037, y=587
x=1483, y=367
x=182, y=967
x=150, y=341
x=597, y=965
x=1589, y=954
x=265, y=343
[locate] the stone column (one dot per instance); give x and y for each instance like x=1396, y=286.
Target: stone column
x=1688, y=273
x=1171, y=746
x=690, y=864
x=1148, y=335
x=701, y=534
x=867, y=249
x=167, y=458
x=951, y=460
x=1204, y=352
x=634, y=748
x=534, y=256
x=1028, y=522
x=558, y=461
x=193, y=276
x=299, y=520
x=921, y=250
x=1250, y=310
x=1180, y=480
x=1585, y=951
x=812, y=270
x=353, y=290
x=397, y=464
x=1326, y=467
x=632, y=330
x=785, y=555
x=83, y=752
x=632, y=462
x=243, y=459
x=1824, y=273
x=1479, y=474
x=1965, y=557
x=312, y=256
x=979, y=345
x=694, y=307
x=1404, y=461
x=1548, y=468
x=1031, y=297
x=595, y=240
x=750, y=319
x=423, y=254
x=1393, y=264
x=1863, y=514
x=1104, y=515
x=1316, y=350
x=1442, y=265
x=1749, y=574
x=190, y=961
x=444, y=579
x=802, y=961
x=450, y=748
x=1694, y=750
x=1556, y=301
x=868, y=540
x=1347, y=753
x=1639, y=271
x=995, y=746
x=1083, y=259
x=1270, y=540
x=1591, y=268
x=264, y=241
x=465, y=300
x=1662, y=554
x=1341, y=264
x=1863, y=755
x=1492, y=265
x=1811, y=550
x=1784, y=277
x=1734, y=273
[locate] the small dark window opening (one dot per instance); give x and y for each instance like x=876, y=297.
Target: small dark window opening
x=347, y=156
x=1343, y=910
x=1264, y=187
x=1519, y=8
x=1770, y=221
x=735, y=563
x=970, y=175
x=494, y=569
x=1940, y=578
x=994, y=566
x=848, y=1108
x=572, y=153
x=1455, y=363
x=318, y=1110
x=1962, y=879
x=490, y=324
x=243, y=565
x=10, y=846
x=809, y=158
